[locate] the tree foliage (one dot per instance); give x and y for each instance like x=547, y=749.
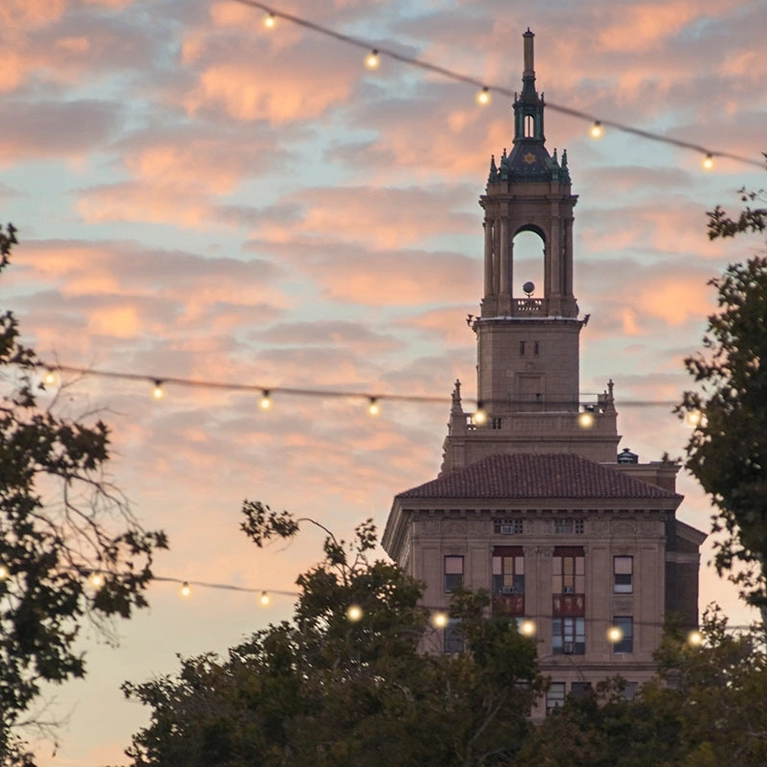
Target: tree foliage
x=727, y=451
x=706, y=707
x=61, y=521
x=326, y=690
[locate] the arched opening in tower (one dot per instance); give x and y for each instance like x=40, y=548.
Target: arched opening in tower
x=528, y=264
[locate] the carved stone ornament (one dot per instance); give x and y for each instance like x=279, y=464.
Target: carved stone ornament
x=430, y=526
x=624, y=527
x=624, y=605
x=455, y=527
x=599, y=528
x=479, y=527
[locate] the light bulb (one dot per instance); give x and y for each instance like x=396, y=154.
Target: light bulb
x=270, y=20
x=97, y=580
x=596, y=130
x=483, y=96
x=527, y=628
x=186, y=589
x=693, y=418
x=480, y=416
x=4, y=572
x=373, y=407
x=372, y=60
x=695, y=638
x=354, y=613
x=439, y=620
x=708, y=161
x=49, y=379
x=264, y=599
x=266, y=400
x=158, y=392
x=586, y=419
x=614, y=635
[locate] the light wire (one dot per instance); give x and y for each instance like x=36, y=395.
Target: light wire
x=462, y=78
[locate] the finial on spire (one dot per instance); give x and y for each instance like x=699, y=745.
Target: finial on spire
x=529, y=56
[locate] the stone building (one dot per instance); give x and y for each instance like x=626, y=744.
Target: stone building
x=533, y=502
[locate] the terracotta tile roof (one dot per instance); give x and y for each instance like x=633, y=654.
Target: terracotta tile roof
x=527, y=475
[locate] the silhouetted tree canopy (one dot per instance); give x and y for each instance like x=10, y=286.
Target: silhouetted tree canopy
x=727, y=451
x=61, y=522
x=327, y=690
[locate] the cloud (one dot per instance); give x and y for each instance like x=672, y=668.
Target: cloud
x=50, y=129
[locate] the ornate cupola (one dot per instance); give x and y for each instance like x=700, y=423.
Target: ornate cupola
x=528, y=335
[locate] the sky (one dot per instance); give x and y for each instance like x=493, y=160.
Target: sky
x=199, y=197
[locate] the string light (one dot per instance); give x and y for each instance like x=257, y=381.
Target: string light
x=270, y=20
x=4, y=573
x=480, y=416
x=459, y=77
x=693, y=419
x=439, y=620
x=186, y=589
x=372, y=60
x=586, y=419
x=527, y=628
x=596, y=130
x=354, y=613
x=483, y=96
x=695, y=638
x=49, y=379
x=374, y=408
x=708, y=161
x=614, y=635
x=96, y=580
x=264, y=599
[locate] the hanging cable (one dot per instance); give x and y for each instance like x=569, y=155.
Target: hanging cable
x=485, y=90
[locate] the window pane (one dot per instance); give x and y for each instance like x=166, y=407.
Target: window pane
x=555, y=696
x=623, y=565
x=626, y=624
x=454, y=565
x=579, y=565
x=497, y=568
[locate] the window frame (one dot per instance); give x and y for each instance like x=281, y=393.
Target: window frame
x=626, y=644
x=452, y=580
x=623, y=580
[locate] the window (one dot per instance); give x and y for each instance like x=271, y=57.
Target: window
x=580, y=689
x=453, y=637
x=626, y=625
x=536, y=348
x=569, y=526
x=508, y=571
x=623, y=572
x=529, y=126
x=568, y=571
x=509, y=526
x=555, y=696
x=568, y=636
x=629, y=691
x=508, y=583
x=521, y=348
x=453, y=573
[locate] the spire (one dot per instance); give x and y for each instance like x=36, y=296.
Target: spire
x=528, y=75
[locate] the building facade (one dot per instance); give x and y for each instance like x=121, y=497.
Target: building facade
x=578, y=543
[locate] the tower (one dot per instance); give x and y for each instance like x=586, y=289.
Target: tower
x=528, y=345
x=533, y=503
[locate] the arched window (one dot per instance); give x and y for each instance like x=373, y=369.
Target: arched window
x=529, y=126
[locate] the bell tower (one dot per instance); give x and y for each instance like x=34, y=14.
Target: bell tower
x=528, y=335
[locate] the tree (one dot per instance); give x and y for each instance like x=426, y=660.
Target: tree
x=706, y=706
x=62, y=522
x=727, y=451
x=344, y=682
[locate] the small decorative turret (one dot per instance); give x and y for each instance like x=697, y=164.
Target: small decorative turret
x=457, y=407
